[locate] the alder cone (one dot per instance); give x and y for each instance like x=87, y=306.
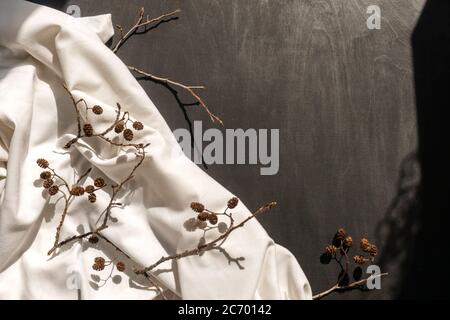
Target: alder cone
x=128, y=134
x=92, y=198
x=97, y=110
x=197, y=207
x=88, y=130
x=330, y=249
x=137, y=125
x=53, y=190
x=42, y=163
x=348, y=242
x=203, y=216
x=77, y=191
x=233, y=202
x=365, y=245
x=120, y=266
x=341, y=235
x=48, y=183
x=119, y=127
x=93, y=239
x=213, y=219
x=359, y=260
x=98, y=267
x=372, y=250
x=99, y=182
x=45, y=175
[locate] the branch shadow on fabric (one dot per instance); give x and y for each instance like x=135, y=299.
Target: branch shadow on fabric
x=422, y=238
x=193, y=224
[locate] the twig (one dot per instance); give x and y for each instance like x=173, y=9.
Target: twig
x=351, y=286
x=140, y=23
x=206, y=246
x=118, y=188
x=190, y=89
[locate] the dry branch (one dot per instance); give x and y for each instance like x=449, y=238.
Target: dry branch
x=140, y=22
x=210, y=245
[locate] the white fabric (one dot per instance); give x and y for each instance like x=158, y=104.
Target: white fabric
x=40, y=49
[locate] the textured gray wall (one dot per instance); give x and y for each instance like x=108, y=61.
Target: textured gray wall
x=341, y=95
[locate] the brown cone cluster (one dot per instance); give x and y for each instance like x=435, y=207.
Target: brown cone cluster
x=97, y=110
x=368, y=247
x=88, y=130
x=90, y=189
x=119, y=127
x=45, y=175
x=77, y=190
x=42, y=163
x=342, y=243
x=53, y=190
x=92, y=198
x=128, y=134
x=120, y=266
x=341, y=235
x=203, y=215
x=99, y=264
x=197, y=207
x=232, y=203
x=48, y=183
x=330, y=249
x=359, y=259
x=348, y=242
x=213, y=218
x=93, y=239
x=137, y=125
x=99, y=183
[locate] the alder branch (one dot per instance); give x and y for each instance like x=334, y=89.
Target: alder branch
x=87, y=131
x=352, y=286
x=67, y=201
x=341, y=245
x=167, y=82
x=207, y=246
x=140, y=23
x=118, y=188
x=119, y=125
x=189, y=89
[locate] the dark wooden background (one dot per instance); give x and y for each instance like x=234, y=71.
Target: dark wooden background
x=341, y=95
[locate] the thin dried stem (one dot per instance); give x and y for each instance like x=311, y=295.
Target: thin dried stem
x=140, y=23
x=207, y=246
x=189, y=89
x=61, y=223
x=351, y=286
x=118, y=188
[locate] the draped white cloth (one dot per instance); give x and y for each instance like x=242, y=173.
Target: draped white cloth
x=41, y=49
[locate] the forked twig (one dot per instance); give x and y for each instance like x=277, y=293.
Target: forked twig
x=140, y=22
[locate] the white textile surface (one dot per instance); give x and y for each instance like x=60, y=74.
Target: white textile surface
x=41, y=49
